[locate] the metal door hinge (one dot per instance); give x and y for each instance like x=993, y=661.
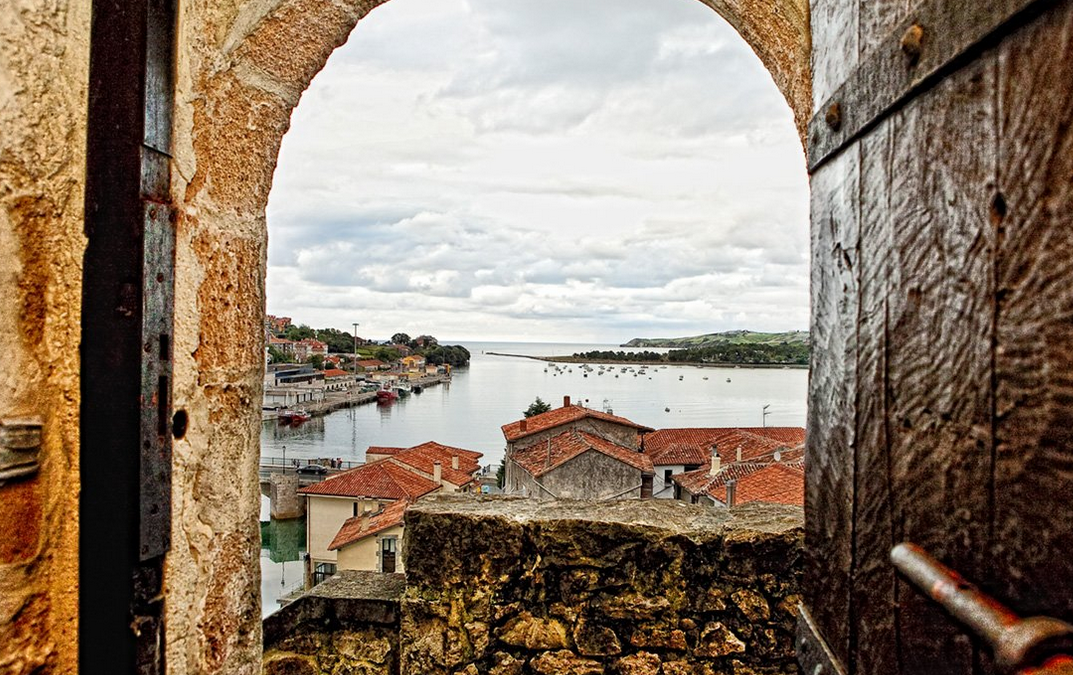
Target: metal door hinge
x=1041, y=644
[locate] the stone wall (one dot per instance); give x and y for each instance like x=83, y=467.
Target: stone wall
x=348, y=624
x=44, y=64
x=507, y=586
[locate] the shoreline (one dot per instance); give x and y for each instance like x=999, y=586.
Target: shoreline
x=615, y=362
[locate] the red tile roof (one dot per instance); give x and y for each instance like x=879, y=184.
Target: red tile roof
x=382, y=450
x=693, y=446
x=423, y=457
x=359, y=527
x=559, y=417
x=378, y=480
x=335, y=372
x=776, y=482
x=371, y=363
x=541, y=458
x=779, y=483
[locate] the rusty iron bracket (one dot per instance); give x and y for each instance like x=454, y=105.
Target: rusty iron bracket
x=1041, y=644
x=937, y=37
x=813, y=654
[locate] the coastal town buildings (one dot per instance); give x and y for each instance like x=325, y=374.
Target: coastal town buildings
x=576, y=452
x=303, y=349
x=354, y=519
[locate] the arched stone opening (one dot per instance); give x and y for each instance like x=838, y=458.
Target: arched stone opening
x=241, y=70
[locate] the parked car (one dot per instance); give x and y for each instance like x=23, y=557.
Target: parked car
x=313, y=469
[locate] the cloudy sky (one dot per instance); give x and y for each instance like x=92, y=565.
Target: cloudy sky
x=544, y=170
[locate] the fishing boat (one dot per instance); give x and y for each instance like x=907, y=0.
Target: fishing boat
x=385, y=395
x=300, y=416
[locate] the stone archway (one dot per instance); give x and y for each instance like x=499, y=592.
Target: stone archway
x=242, y=68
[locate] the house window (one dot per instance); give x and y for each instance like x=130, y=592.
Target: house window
x=666, y=477
x=387, y=554
x=355, y=509
x=322, y=571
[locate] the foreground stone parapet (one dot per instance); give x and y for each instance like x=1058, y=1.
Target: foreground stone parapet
x=508, y=585
x=348, y=624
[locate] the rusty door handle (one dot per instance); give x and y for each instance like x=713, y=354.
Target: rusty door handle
x=1040, y=645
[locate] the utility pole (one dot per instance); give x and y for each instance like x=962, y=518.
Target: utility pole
x=355, y=351
x=766, y=413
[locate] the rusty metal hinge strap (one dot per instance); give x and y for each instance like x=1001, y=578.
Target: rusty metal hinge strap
x=936, y=37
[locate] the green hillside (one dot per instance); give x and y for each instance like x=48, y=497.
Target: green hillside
x=731, y=337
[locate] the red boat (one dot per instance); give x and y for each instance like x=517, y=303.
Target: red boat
x=293, y=416
x=385, y=395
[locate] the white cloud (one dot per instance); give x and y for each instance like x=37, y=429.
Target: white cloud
x=541, y=169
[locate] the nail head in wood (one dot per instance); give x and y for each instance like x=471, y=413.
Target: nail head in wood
x=913, y=42
x=834, y=116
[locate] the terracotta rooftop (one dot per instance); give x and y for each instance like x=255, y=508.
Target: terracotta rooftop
x=335, y=372
x=357, y=528
x=423, y=457
x=560, y=416
x=779, y=483
x=382, y=450
x=378, y=480
x=368, y=363
x=775, y=482
x=693, y=446
x=541, y=458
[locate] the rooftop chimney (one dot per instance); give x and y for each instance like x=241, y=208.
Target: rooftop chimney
x=454, y=462
x=523, y=424
x=437, y=472
x=731, y=484
x=717, y=463
x=566, y=401
x=739, y=453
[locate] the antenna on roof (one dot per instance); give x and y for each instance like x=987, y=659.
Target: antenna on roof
x=766, y=413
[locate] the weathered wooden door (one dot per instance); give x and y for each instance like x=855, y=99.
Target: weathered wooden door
x=941, y=392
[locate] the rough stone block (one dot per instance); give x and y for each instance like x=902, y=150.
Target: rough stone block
x=564, y=662
x=641, y=663
x=718, y=640
x=534, y=633
x=596, y=640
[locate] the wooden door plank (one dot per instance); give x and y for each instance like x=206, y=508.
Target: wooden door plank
x=1034, y=354
x=874, y=639
x=834, y=45
x=832, y=386
x=940, y=342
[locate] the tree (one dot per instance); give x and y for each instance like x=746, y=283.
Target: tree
x=400, y=339
x=275, y=355
x=317, y=361
x=501, y=474
x=536, y=407
x=386, y=354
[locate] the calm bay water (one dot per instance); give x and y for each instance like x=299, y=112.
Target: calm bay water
x=494, y=390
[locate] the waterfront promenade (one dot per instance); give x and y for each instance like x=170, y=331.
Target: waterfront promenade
x=336, y=400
